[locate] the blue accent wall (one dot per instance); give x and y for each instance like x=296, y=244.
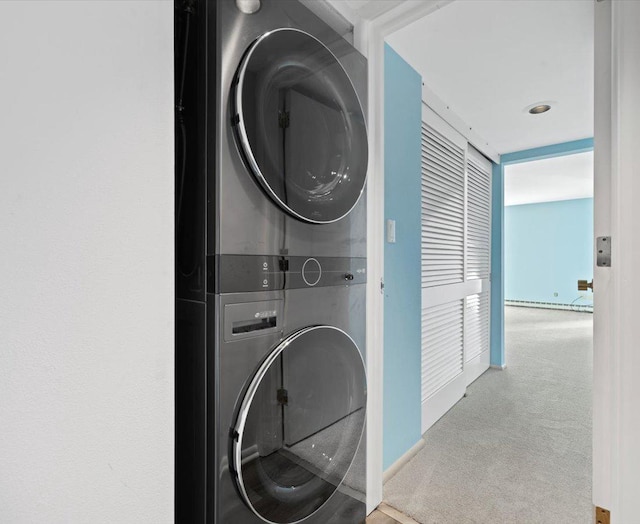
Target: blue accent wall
x=548, y=247
x=497, y=265
x=402, y=307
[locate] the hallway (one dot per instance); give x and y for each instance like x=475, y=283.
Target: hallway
x=517, y=449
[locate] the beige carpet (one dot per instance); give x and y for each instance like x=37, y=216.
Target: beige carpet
x=518, y=448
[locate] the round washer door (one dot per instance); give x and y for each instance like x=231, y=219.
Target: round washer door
x=300, y=125
x=299, y=425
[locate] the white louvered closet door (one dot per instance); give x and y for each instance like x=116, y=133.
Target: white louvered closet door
x=478, y=264
x=443, y=240
x=456, y=238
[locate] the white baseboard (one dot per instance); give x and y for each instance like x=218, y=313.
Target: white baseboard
x=586, y=308
x=403, y=460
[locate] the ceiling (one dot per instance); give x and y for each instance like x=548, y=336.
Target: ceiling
x=560, y=178
x=491, y=59
x=369, y=9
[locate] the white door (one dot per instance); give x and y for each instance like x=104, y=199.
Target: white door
x=616, y=416
x=456, y=241
x=477, y=265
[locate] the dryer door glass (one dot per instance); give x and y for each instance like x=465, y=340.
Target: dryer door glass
x=300, y=125
x=299, y=425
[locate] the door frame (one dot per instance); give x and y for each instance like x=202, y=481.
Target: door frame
x=370, y=38
x=616, y=459
x=498, y=357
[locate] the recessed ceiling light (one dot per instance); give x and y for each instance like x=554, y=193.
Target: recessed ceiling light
x=540, y=108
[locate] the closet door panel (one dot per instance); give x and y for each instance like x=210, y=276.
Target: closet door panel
x=456, y=265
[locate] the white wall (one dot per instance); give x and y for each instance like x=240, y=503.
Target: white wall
x=86, y=263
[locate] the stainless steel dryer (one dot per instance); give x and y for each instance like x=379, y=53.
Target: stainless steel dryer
x=270, y=266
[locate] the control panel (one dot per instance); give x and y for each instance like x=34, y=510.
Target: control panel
x=246, y=273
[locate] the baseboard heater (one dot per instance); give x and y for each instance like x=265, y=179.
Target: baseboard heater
x=587, y=308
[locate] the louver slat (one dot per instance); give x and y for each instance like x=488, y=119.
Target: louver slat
x=478, y=220
x=442, y=345
x=442, y=210
x=477, y=325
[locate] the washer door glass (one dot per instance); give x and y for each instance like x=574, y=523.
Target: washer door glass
x=300, y=424
x=300, y=125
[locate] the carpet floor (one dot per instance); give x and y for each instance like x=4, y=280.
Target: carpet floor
x=517, y=449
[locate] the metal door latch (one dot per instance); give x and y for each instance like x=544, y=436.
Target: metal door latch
x=583, y=285
x=603, y=251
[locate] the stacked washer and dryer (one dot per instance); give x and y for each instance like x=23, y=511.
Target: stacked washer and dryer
x=272, y=157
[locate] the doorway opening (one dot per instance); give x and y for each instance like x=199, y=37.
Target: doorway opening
x=515, y=439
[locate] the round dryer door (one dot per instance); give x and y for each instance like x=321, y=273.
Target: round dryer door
x=299, y=425
x=300, y=125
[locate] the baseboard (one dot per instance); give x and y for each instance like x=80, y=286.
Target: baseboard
x=586, y=308
x=402, y=461
x=498, y=366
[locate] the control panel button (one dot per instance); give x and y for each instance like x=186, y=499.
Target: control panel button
x=311, y=272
